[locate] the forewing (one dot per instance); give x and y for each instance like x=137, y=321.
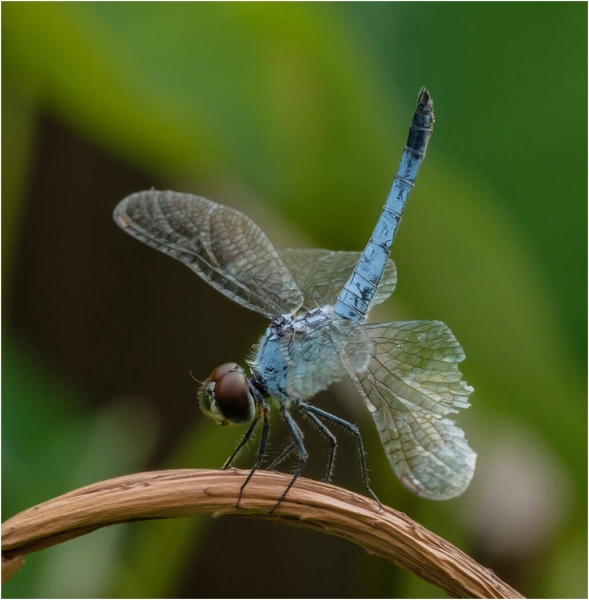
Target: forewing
x=321, y=274
x=223, y=246
x=411, y=384
x=314, y=356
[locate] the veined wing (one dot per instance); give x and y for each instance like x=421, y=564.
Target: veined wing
x=220, y=244
x=410, y=386
x=321, y=274
x=314, y=355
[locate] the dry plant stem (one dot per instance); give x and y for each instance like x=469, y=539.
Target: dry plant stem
x=180, y=493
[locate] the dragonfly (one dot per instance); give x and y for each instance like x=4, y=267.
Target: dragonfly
x=318, y=301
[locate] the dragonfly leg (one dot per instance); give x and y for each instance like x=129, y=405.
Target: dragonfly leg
x=244, y=440
x=297, y=437
x=261, y=448
x=356, y=433
x=327, y=435
x=285, y=452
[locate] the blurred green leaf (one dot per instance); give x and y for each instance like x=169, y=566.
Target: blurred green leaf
x=77, y=449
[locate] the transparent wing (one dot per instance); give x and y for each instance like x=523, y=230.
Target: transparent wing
x=321, y=274
x=411, y=384
x=223, y=246
x=314, y=356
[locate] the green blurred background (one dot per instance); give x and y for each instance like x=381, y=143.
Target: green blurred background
x=296, y=114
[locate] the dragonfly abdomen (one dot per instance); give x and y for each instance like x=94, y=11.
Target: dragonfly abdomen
x=354, y=299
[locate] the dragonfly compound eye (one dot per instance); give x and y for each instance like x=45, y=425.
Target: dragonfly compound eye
x=225, y=396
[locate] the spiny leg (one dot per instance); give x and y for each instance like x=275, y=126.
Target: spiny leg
x=285, y=452
x=326, y=434
x=297, y=437
x=244, y=440
x=356, y=433
x=261, y=448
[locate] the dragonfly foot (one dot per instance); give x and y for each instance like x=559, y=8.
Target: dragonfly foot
x=375, y=497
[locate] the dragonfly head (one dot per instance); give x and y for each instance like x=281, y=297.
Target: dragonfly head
x=225, y=396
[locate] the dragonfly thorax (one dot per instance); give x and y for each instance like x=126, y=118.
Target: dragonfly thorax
x=225, y=396
x=273, y=361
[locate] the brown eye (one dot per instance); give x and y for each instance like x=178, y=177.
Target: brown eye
x=232, y=396
x=222, y=369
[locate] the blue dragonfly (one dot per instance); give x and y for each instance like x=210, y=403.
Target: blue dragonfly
x=318, y=300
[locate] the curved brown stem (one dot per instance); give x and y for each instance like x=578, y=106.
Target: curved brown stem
x=179, y=493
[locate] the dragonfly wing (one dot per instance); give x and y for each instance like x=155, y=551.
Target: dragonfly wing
x=314, y=356
x=411, y=384
x=321, y=274
x=223, y=246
